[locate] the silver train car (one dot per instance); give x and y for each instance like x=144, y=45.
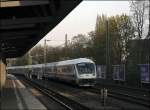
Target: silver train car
x=81, y=71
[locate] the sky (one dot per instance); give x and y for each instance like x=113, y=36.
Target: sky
x=83, y=19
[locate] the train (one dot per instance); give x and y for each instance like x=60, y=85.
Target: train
x=80, y=71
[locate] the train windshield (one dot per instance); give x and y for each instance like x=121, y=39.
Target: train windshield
x=86, y=68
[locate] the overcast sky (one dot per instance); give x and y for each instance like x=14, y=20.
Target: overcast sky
x=83, y=18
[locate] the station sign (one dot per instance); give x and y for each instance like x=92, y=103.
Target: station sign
x=101, y=71
x=119, y=72
x=144, y=72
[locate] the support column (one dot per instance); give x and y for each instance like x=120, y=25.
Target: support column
x=2, y=72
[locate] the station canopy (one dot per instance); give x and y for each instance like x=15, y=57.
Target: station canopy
x=23, y=23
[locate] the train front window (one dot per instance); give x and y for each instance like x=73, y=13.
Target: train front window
x=85, y=68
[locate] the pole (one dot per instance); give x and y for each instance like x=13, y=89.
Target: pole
x=107, y=50
x=45, y=55
x=66, y=41
x=45, y=51
x=66, y=46
x=30, y=59
x=104, y=90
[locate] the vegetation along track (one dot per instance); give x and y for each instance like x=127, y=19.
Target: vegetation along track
x=124, y=97
x=67, y=103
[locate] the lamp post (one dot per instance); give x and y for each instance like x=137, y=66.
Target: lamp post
x=45, y=50
x=45, y=54
x=30, y=59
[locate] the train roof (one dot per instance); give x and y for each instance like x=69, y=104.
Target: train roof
x=37, y=65
x=14, y=67
x=60, y=63
x=75, y=61
x=51, y=64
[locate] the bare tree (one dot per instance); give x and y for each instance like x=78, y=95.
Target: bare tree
x=138, y=10
x=148, y=8
x=139, y=15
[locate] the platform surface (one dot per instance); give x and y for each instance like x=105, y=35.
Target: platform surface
x=15, y=96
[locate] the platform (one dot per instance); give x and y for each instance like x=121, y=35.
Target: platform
x=15, y=96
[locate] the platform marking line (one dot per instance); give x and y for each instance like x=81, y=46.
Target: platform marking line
x=18, y=98
x=20, y=84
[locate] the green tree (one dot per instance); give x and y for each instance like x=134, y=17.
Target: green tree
x=79, y=45
x=99, y=40
x=126, y=33
x=37, y=54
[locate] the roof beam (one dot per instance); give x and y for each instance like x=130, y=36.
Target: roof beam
x=18, y=26
x=16, y=34
x=33, y=20
x=16, y=3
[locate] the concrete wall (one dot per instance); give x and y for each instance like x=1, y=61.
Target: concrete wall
x=2, y=74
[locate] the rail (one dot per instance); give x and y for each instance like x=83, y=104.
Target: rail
x=67, y=103
x=124, y=97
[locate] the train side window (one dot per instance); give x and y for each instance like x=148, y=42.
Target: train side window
x=70, y=70
x=59, y=69
x=73, y=69
x=55, y=69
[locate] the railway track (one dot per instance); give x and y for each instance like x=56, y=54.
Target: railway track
x=67, y=103
x=138, y=90
x=125, y=97
x=90, y=95
x=130, y=98
x=117, y=95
